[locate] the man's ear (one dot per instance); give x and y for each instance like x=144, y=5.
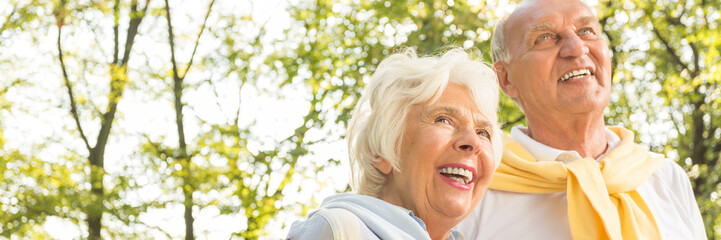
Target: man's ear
x=506, y=85
x=382, y=165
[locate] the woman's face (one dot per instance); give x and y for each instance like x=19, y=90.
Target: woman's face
x=446, y=158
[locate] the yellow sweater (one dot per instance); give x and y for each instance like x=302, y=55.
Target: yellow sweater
x=602, y=199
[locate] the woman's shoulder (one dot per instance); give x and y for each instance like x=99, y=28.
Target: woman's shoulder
x=315, y=227
x=329, y=222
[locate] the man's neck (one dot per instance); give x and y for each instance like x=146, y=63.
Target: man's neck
x=585, y=136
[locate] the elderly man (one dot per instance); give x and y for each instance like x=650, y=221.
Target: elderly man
x=567, y=175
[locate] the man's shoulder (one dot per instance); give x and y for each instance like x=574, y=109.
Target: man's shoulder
x=669, y=183
x=671, y=172
x=669, y=196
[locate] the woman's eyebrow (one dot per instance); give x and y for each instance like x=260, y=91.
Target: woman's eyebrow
x=444, y=109
x=483, y=123
x=477, y=119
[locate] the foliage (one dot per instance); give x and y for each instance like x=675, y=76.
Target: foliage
x=666, y=87
x=667, y=81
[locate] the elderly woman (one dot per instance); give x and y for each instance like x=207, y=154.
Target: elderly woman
x=424, y=142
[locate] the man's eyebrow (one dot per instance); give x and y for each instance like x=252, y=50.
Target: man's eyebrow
x=542, y=27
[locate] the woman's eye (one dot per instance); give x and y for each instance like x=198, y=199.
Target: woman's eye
x=483, y=133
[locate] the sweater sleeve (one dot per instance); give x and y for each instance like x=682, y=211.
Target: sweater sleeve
x=316, y=227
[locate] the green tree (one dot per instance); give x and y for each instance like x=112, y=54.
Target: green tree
x=333, y=48
x=118, y=81
x=188, y=172
x=666, y=57
x=666, y=88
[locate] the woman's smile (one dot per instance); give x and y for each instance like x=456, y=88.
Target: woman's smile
x=458, y=175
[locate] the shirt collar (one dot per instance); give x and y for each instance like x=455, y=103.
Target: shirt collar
x=543, y=152
x=454, y=235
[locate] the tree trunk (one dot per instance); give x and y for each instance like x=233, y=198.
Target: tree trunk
x=96, y=208
x=183, y=158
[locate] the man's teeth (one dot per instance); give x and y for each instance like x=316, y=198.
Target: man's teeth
x=575, y=74
x=457, y=174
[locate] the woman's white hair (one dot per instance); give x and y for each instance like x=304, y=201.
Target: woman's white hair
x=401, y=80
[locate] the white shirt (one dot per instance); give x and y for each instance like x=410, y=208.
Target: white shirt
x=510, y=215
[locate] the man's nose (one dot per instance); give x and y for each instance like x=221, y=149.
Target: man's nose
x=573, y=46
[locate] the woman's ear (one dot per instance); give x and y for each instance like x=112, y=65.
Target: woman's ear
x=506, y=85
x=382, y=165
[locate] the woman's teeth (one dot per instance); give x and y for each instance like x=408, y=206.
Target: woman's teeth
x=457, y=174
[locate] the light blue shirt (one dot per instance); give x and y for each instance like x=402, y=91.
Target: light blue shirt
x=380, y=220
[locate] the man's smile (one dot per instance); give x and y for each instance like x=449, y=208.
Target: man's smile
x=575, y=74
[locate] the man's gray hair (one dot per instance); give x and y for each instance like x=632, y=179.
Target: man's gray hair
x=376, y=128
x=499, y=49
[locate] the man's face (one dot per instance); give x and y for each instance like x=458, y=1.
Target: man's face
x=559, y=61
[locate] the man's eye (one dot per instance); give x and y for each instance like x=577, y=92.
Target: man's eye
x=586, y=31
x=443, y=119
x=544, y=37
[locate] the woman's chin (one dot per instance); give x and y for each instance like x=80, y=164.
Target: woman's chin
x=450, y=201
x=454, y=207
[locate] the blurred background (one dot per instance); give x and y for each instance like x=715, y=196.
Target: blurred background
x=218, y=119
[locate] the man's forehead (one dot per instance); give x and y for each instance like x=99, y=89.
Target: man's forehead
x=534, y=4
x=536, y=15
x=547, y=26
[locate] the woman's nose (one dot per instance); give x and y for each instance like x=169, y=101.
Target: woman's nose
x=468, y=142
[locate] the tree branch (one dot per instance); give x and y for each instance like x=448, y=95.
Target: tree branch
x=95, y=34
x=7, y=19
x=217, y=95
x=185, y=171
x=158, y=147
x=676, y=59
x=135, y=18
x=514, y=122
x=240, y=99
x=256, y=41
x=716, y=148
x=696, y=67
x=197, y=41
x=73, y=106
x=171, y=41
x=697, y=122
x=127, y=221
x=676, y=21
x=5, y=90
x=117, y=82
x=116, y=27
